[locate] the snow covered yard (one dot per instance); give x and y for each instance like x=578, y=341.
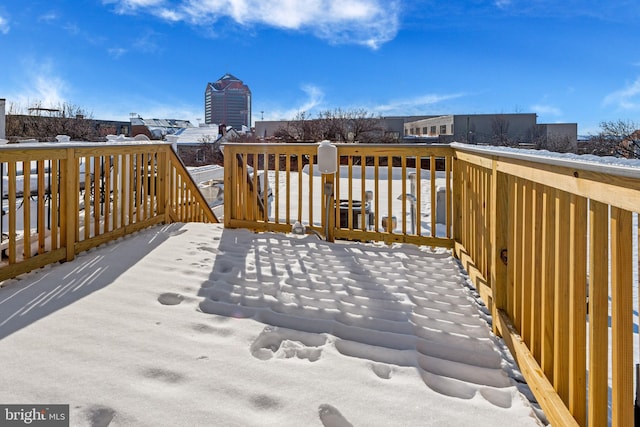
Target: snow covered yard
x=194, y=324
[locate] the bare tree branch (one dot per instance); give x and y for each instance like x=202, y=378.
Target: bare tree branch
x=336, y=125
x=619, y=138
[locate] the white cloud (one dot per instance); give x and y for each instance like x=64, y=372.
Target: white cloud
x=366, y=22
x=502, y=3
x=71, y=28
x=546, y=109
x=127, y=6
x=147, y=42
x=116, y=52
x=48, y=17
x=169, y=15
x=4, y=25
x=310, y=104
x=40, y=85
x=50, y=89
x=315, y=97
x=414, y=105
x=627, y=98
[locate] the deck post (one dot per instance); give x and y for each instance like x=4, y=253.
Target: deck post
x=498, y=234
x=457, y=202
x=230, y=182
x=71, y=194
x=330, y=227
x=164, y=192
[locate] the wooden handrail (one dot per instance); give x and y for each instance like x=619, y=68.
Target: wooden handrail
x=203, y=213
x=536, y=216
x=299, y=197
x=80, y=195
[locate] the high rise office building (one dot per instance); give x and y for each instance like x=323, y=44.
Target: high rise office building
x=228, y=102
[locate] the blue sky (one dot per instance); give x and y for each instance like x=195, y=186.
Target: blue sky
x=567, y=61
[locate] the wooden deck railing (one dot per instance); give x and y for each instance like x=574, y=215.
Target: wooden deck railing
x=381, y=173
x=553, y=240
x=62, y=199
x=543, y=239
x=549, y=242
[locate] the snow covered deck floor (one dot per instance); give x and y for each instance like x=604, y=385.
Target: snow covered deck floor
x=194, y=324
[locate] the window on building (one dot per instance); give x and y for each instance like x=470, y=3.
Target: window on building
x=443, y=129
x=433, y=130
x=425, y=130
x=201, y=156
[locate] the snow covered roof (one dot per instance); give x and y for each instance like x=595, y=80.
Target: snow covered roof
x=197, y=134
x=165, y=123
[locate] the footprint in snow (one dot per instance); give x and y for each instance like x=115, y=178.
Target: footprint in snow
x=264, y=402
x=284, y=343
x=170, y=298
x=382, y=371
x=331, y=417
x=163, y=375
x=99, y=416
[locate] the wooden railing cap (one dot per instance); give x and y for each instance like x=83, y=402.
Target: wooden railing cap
x=77, y=144
x=338, y=144
x=606, y=165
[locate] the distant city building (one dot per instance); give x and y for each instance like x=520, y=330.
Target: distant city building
x=474, y=128
x=560, y=132
x=497, y=129
x=519, y=129
x=228, y=101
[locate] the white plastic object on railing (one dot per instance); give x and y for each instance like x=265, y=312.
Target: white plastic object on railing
x=327, y=157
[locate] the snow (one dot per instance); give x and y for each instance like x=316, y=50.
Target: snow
x=195, y=324
x=357, y=183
